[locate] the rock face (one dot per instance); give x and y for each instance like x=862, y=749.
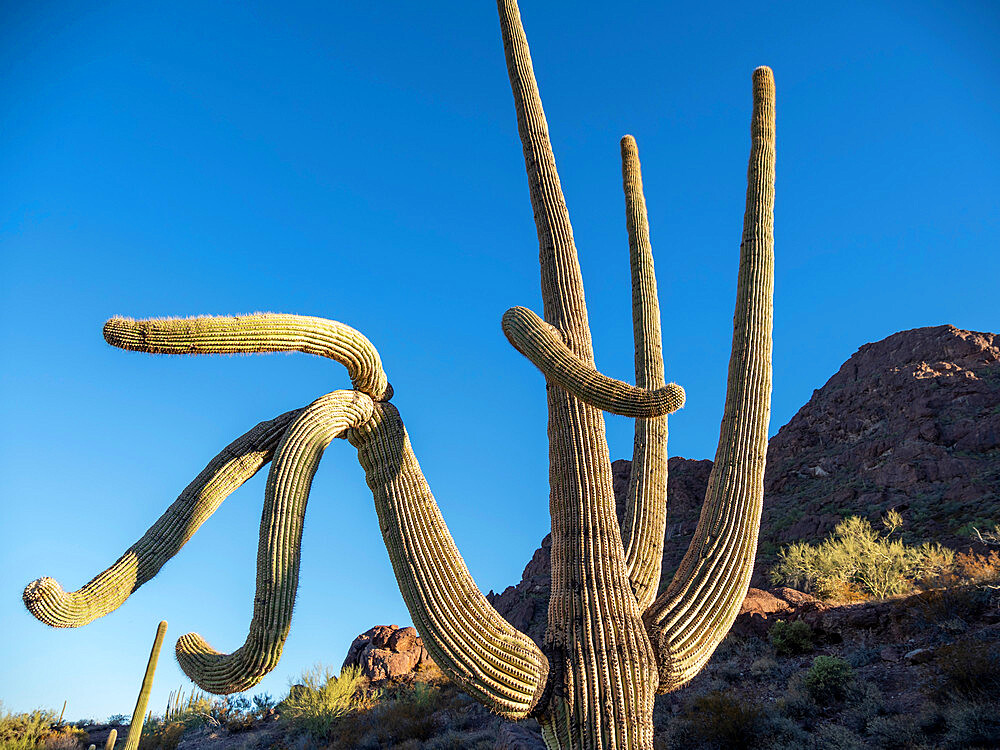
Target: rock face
x=910, y=423
x=388, y=653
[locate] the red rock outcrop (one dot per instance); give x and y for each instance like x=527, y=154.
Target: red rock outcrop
x=387, y=652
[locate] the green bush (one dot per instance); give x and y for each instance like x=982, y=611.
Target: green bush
x=791, y=637
x=857, y=558
x=316, y=705
x=828, y=678
x=36, y=729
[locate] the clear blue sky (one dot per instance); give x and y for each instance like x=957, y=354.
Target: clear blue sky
x=360, y=162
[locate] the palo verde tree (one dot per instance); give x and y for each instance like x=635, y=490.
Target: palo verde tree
x=611, y=644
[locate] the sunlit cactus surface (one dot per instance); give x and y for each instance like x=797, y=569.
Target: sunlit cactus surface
x=611, y=643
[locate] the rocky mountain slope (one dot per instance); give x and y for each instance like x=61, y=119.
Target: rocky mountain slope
x=910, y=423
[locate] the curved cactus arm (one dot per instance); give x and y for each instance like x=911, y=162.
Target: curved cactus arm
x=108, y=590
x=258, y=333
x=279, y=552
x=645, y=517
x=544, y=346
x=690, y=618
x=495, y=663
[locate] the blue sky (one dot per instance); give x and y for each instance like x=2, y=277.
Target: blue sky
x=361, y=163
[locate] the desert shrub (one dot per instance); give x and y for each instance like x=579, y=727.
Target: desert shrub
x=315, y=706
x=969, y=668
x=857, y=558
x=24, y=730
x=791, y=637
x=162, y=736
x=119, y=720
x=828, y=678
x=974, y=568
x=720, y=720
x=862, y=703
x=947, y=605
x=764, y=668
x=971, y=724
x=862, y=655
x=737, y=646
x=836, y=737
x=60, y=739
x=797, y=702
x=988, y=536
x=895, y=732
x=484, y=739
x=409, y=715
x=263, y=704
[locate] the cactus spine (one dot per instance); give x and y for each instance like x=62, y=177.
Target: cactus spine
x=135, y=728
x=610, y=642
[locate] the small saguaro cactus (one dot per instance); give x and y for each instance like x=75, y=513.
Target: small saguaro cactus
x=611, y=643
x=112, y=738
x=135, y=728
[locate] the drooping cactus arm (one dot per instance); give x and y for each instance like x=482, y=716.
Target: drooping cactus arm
x=543, y=345
x=690, y=618
x=279, y=551
x=645, y=517
x=466, y=636
x=237, y=463
x=251, y=334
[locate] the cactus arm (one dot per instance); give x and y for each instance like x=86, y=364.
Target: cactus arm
x=542, y=344
x=645, y=517
x=466, y=636
x=135, y=729
x=112, y=738
x=562, y=283
x=690, y=618
x=279, y=552
x=251, y=334
x=108, y=590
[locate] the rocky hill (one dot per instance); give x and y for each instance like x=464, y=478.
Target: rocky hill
x=910, y=423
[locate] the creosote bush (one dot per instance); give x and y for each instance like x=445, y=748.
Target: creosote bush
x=858, y=559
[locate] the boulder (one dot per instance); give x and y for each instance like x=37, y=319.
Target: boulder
x=388, y=653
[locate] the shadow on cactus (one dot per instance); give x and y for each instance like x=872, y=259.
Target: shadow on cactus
x=611, y=642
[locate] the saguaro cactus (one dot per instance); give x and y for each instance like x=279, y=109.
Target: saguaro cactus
x=135, y=728
x=610, y=643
